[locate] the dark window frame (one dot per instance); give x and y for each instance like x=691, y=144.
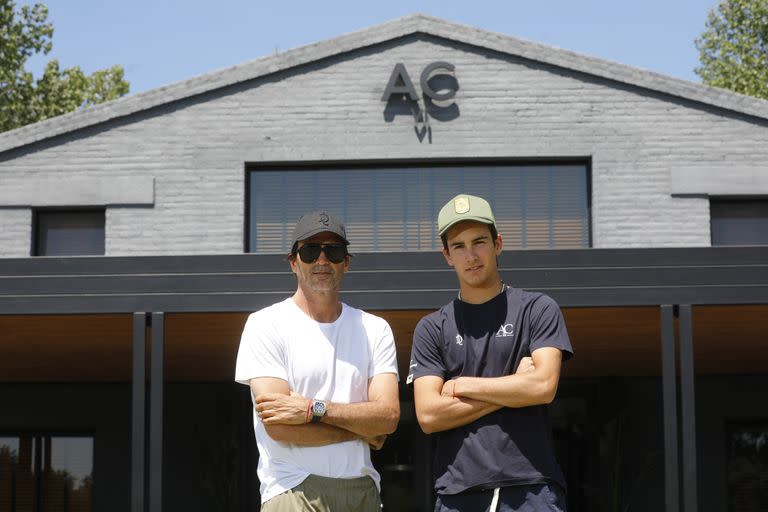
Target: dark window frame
x=35, y=243
x=717, y=202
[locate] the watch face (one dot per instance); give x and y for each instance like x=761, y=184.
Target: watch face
x=318, y=408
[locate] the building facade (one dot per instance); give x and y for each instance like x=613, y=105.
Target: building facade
x=613, y=186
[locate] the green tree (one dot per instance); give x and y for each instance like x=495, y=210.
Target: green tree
x=26, y=32
x=733, y=48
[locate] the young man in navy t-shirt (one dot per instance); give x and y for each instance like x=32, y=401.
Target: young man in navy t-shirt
x=483, y=368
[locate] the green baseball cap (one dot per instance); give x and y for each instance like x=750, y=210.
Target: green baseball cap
x=464, y=207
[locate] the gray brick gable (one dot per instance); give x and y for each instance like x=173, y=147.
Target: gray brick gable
x=412, y=24
x=322, y=102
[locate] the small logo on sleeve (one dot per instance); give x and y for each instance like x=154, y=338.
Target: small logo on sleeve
x=409, y=379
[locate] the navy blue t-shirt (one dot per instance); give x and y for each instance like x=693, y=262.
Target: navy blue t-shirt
x=511, y=446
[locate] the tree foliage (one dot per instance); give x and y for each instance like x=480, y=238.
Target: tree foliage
x=26, y=32
x=733, y=48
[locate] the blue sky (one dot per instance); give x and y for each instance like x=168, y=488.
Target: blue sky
x=160, y=42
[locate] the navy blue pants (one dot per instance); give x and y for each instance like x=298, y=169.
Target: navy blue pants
x=518, y=498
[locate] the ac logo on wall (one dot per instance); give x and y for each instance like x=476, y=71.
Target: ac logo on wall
x=438, y=88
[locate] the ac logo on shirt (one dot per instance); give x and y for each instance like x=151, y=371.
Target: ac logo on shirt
x=459, y=340
x=506, y=330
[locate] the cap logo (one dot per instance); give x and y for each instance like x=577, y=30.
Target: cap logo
x=461, y=205
x=323, y=219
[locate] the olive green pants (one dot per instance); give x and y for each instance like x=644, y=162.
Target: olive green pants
x=323, y=494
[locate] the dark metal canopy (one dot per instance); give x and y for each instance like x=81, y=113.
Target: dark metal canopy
x=246, y=282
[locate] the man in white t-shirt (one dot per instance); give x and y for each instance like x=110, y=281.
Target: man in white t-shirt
x=323, y=379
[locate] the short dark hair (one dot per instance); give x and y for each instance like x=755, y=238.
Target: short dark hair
x=491, y=228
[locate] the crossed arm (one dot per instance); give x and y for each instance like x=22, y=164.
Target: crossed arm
x=284, y=414
x=443, y=405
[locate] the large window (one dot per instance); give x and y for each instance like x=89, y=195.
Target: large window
x=46, y=473
x=68, y=233
x=739, y=222
x=395, y=209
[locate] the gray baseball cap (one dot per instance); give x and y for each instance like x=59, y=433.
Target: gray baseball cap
x=464, y=207
x=318, y=221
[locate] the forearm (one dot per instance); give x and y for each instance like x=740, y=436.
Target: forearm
x=310, y=434
x=365, y=419
x=518, y=390
x=445, y=412
x=369, y=419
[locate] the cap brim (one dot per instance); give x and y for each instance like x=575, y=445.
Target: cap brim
x=469, y=218
x=314, y=232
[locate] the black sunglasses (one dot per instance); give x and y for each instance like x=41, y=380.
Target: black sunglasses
x=334, y=252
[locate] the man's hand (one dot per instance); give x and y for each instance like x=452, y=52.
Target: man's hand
x=526, y=365
x=449, y=388
x=280, y=409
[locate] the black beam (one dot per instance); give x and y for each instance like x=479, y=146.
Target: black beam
x=578, y=278
x=390, y=280
x=669, y=386
x=172, y=302
x=688, y=407
x=157, y=383
x=430, y=260
x=138, y=385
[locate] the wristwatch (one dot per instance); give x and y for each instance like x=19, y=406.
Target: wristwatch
x=318, y=410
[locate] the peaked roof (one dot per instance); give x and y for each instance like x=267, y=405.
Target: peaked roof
x=412, y=24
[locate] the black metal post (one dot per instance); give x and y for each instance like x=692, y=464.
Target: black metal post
x=688, y=407
x=156, y=414
x=669, y=386
x=138, y=388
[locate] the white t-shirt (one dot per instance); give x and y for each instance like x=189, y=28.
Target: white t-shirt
x=326, y=361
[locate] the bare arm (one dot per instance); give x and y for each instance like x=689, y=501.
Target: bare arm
x=437, y=412
x=304, y=434
x=523, y=389
x=438, y=409
x=367, y=420
x=378, y=416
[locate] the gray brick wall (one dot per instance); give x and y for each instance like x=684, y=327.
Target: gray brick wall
x=15, y=232
x=196, y=149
